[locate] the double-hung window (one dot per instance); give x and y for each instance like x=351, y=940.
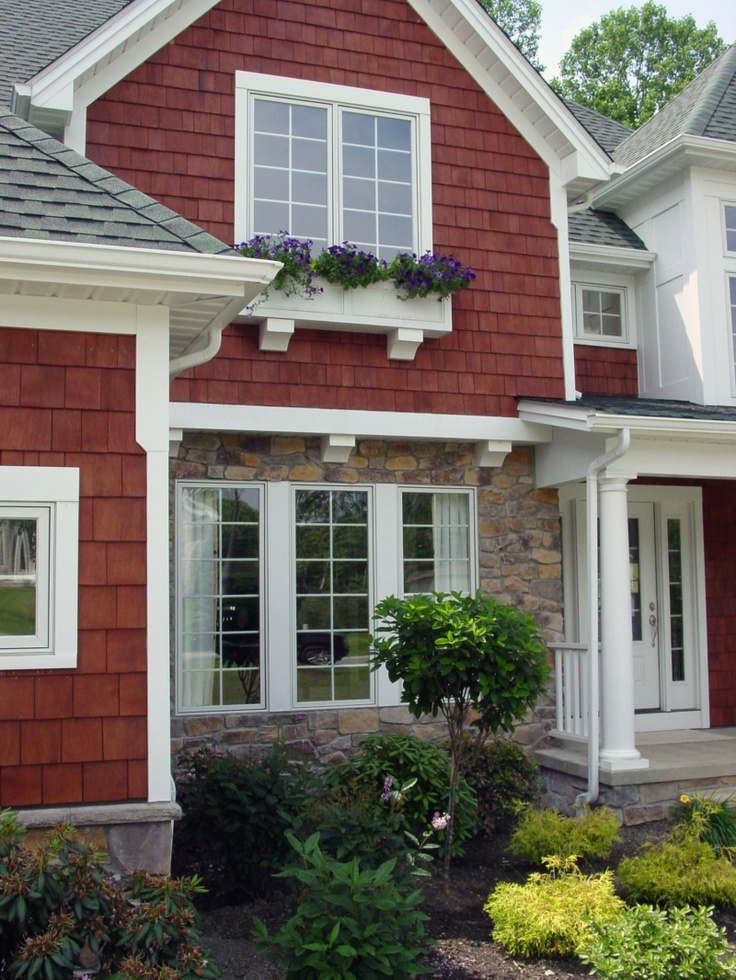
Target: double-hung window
x=730, y=218
x=729, y=238
x=436, y=543
x=332, y=163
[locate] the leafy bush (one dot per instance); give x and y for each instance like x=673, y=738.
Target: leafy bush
x=58, y=909
x=349, y=267
x=551, y=914
x=541, y=833
x=348, y=922
x=651, y=944
x=405, y=758
x=680, y=870
x=504, y=779
x=713, y=820
x=430, y=274
x=236, y=812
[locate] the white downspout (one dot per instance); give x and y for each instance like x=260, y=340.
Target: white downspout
x=591, y=495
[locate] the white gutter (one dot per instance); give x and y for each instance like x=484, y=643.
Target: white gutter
x=591, y=494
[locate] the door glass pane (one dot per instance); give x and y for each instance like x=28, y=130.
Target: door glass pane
x=635, y=578
x=436, y=542
x=674, y=564
x=18, y=577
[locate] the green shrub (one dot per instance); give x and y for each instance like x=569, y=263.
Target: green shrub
x=235, y=815
x=504, y=780
x=405, y=758
x=348, y=922
x=651, y=944
x=551, y=914
x=546, y=832
x=680, y=870
x=57, y=903
x=713, y=820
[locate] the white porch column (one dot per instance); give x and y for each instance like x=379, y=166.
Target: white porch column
x=618, y=749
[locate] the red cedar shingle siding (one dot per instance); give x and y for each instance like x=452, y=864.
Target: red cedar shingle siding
x=169, y=130
x=719, y=520
x=68, y=399
x=606, y=371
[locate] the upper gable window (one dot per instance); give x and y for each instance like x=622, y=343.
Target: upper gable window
x=332, y=163
x=600, y=313
x=730, y=214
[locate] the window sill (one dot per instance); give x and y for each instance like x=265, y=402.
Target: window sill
x=376, y=309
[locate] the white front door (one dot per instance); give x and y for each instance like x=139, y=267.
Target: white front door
x=645, y=633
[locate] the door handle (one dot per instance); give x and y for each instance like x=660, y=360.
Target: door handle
x=655, y=626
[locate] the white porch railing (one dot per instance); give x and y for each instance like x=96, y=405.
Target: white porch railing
x=571, y=691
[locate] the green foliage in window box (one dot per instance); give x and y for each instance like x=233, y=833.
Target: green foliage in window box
x=348, y=922
x=645, y=943
x=551, y=914
x=403, y=759
x=429, y=275
x=714, y=821
x=295, y=277
x=456, y=654
x=348, y=266
x=541, y=833
x=680, y=870
x=59, y=910
x=505, y=781
x=236, y=812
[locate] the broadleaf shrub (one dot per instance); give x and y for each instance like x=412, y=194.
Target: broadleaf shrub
x=406, y=758
x=541, y=833
x=236, y=812
x=504, y=780
x=59, y=909
x=714, y=821
x=551, y=914
x=680, y=870
x=645, y=943
x=348, y=922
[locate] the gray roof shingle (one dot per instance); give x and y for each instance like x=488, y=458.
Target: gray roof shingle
x=602, y=228
x=606, y=132
x=656, y=408
x=49, y=191
x=33, y=33
x=707, y=107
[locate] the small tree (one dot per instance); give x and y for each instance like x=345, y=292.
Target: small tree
x=457, y=654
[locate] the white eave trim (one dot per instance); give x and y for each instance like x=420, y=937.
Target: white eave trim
x=585, y=419
x=611, y=257
x=682, y=151
x=517, y=89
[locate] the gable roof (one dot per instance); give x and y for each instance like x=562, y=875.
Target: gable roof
x=602, y=228
x=48, y=191
x=705, y=108
x=33, y=33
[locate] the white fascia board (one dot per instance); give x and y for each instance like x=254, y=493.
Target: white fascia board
x=616, y=258
x=585, y=419
x=111, y=52
x=526, y=99
x=682, y=151
x=135, y=269
x=277, y=420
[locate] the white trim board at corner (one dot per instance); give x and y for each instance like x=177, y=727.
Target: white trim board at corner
x=278, y=420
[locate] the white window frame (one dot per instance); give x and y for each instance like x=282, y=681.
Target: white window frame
x=49, y=495
x=731, y=315
x=728, y=206
x=597, y=283
x=467, y=492
x=249, y=85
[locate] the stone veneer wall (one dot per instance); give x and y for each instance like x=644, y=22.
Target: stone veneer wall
x=518, y=553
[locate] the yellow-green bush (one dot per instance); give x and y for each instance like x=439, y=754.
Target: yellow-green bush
x=542, y=833
x=551, y=914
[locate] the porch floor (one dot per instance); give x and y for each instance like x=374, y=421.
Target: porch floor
x=674, y=756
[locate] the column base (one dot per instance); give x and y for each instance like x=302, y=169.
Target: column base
x=620, y=761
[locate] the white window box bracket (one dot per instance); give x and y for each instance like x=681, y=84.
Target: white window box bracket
x=375, y=309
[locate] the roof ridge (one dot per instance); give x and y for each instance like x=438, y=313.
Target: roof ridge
x=124, y=194
x=724, y=69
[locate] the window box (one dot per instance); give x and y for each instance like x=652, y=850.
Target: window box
x=375, y=309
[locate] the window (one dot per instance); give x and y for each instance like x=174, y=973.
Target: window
x=601, y=313
x=730, y=215
x=39, y=516
x=333, y=164
x=732, y=303
x=276, y=585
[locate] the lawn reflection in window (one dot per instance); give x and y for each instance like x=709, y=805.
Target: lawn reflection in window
x=18, y=612
x=332, y=595
x=436, y=542
x=220, y=572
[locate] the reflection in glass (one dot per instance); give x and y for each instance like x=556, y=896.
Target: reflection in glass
x=674, y=564
x=18, y=615
x=436, y=542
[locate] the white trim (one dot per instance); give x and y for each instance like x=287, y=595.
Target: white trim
x=624, y=290
x=610, y=258
x=275, y=420
x=57, y=490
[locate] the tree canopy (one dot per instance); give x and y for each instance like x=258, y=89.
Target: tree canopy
x=632, y=62
x=521, y=20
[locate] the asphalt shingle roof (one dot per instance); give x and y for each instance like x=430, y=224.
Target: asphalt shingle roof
x=602, y=228
x=33, y=33
x=707, y=107
x=656, y=408
x=606, y=132
x=48, y=191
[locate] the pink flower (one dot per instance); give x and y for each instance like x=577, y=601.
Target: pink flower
x=439, y=822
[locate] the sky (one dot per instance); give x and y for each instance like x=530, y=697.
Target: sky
x=563, y=19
